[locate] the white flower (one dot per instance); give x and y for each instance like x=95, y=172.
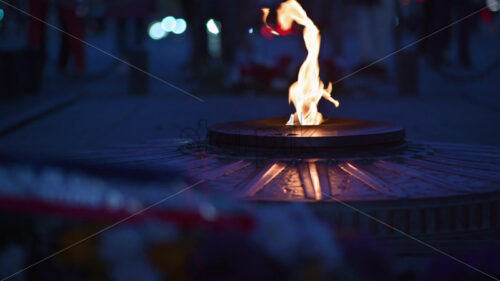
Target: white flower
x=275, y=233
x=292, y=233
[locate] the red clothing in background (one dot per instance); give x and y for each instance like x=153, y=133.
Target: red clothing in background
x=69, y=23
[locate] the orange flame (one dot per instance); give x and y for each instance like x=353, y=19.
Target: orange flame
x=306, y=92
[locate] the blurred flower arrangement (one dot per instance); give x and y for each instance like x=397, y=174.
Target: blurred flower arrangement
x=192, y=237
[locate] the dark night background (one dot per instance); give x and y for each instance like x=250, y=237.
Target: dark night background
x=60, y=96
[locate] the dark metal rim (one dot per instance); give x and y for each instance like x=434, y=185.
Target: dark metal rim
x=349, y=133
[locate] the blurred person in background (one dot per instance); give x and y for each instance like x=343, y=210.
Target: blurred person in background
x=492, y=19
x=69, y=22
x=235, y=18
x=70, y=47
x=436, y=15
x=124, y=11
x=375, y=22
x=334, y=15
x=463, y=8
x=439, y=14
x=196, y=13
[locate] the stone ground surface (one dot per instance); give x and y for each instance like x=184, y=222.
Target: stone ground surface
x=99, y=121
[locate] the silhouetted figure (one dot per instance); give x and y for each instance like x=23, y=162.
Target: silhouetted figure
x=36, y=29
x=437, y=14
x=235, y=18
x=70, y=46
x=464, y=8
x=197, y=14
x=69, y=22
x=125, y=11
x=375, y=22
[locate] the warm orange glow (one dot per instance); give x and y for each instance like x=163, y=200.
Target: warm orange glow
x=306, y=92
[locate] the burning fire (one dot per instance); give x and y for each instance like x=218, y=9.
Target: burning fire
x=306, y=92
